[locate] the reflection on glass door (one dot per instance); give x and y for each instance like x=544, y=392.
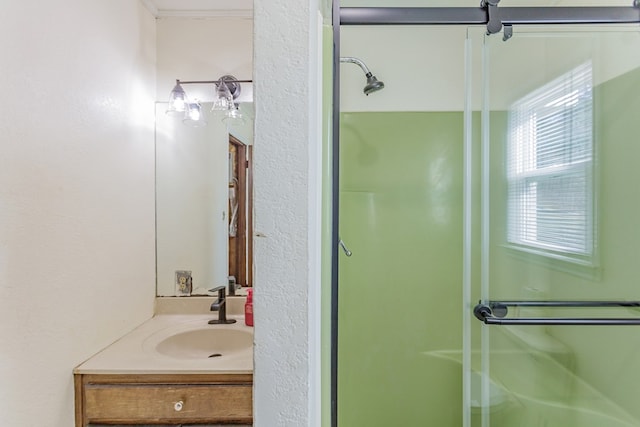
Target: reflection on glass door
x=553, y=252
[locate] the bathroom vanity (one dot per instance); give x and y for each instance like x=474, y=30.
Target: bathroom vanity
x=132, y=399
x=173, y=370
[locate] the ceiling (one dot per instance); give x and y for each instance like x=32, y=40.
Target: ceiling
x=162, y=8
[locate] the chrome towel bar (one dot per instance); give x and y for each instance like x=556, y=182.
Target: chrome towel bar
x=494, y=312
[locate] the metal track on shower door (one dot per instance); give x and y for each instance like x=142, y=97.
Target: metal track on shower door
x=480, y=16
x=494, y=312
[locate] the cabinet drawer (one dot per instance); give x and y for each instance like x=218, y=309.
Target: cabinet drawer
x=168, y=403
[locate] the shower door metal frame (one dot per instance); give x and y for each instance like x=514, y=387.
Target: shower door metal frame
x=508, y=16
x=479, y=15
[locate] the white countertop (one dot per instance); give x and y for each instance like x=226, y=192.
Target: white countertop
x=135, y=353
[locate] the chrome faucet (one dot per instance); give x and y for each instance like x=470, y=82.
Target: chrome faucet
x=220, y=305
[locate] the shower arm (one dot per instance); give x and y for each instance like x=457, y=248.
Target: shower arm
x=358, y=62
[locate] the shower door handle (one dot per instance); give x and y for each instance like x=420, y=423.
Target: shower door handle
x=347, y=252
x=494, y=312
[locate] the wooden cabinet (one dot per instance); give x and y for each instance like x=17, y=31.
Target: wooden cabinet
x=192, y=399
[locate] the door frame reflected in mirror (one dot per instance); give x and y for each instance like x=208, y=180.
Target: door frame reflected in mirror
x=240, y=212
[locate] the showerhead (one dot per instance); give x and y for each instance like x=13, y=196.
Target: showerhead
x=373, y=84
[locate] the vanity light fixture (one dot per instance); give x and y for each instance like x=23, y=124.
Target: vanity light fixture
x=227, y=90
x=193, y=116
x=234, y=114
x=177, y=101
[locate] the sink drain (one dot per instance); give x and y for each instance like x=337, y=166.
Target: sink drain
x=215, y=355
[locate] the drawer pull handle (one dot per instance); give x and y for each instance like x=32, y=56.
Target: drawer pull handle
x=178, y=406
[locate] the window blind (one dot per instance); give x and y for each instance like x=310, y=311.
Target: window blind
x=549, y=166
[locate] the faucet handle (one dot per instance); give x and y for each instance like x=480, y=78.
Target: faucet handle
x=220, y=290
x=232, y=285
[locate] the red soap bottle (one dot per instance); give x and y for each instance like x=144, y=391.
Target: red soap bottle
x=248, y=308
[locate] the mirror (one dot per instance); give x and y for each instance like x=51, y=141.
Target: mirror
x=203, y=200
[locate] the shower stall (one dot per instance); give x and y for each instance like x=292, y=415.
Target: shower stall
x=486, y=215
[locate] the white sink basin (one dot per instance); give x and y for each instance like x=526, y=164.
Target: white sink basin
x=177, y=344
x=208, y=342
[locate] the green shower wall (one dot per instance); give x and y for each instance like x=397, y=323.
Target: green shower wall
x=400, y=292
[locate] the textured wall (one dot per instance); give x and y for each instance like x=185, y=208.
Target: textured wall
x=285, y=94
x=76, y=193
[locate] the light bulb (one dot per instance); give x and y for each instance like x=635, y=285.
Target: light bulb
x=234, y=114
x=177, y=101
x=224, y=99
x=193, y=116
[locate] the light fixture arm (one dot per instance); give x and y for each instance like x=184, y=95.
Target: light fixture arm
x=216, y=82
x=229, y=81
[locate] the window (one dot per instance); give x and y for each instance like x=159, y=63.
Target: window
x=550, y=200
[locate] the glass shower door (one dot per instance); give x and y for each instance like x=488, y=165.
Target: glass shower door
x=552, y=228
x=400, y=220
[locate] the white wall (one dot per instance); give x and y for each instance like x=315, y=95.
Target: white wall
x=422, y=68
x=203, y=49
x=76, y=193
x=286, y=58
